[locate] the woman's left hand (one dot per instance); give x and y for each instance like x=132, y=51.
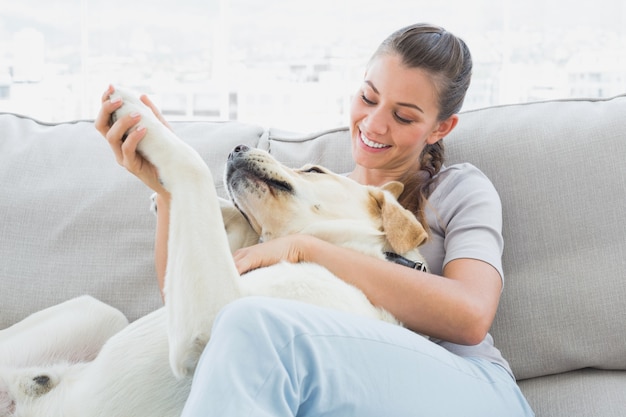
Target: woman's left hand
x=291, y=248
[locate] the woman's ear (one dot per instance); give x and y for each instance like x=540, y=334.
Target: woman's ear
x=442, y=129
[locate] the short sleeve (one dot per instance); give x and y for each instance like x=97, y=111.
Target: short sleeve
x=464, y=213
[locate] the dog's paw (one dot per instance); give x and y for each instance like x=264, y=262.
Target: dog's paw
x=39, y=385
x=131, y=103
x=169, y=154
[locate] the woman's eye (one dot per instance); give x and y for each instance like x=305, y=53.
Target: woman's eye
x=403, y=120
x=367, y=100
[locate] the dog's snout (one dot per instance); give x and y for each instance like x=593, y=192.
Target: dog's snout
x=238, y=150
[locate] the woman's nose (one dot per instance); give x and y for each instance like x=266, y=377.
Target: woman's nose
x=376, y=121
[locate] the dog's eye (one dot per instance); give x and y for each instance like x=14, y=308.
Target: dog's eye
x=313, y=169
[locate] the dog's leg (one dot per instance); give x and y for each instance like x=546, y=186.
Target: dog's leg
x=73, y=331
x=201, y=276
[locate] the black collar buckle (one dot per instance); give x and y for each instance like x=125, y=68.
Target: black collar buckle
x=401, y=260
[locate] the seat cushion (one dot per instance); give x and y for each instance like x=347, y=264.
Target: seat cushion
x=579, y=393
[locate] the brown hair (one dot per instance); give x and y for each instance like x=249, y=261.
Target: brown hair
x=448, y=61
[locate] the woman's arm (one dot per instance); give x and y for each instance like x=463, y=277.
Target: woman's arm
x=458, y=307
x=125, y=151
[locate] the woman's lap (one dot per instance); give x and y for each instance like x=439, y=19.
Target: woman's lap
x=270, y=357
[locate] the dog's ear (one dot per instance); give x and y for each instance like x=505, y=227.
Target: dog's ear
x=394, y=187
x=402, y=229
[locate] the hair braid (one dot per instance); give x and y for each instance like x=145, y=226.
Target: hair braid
x=417, y=186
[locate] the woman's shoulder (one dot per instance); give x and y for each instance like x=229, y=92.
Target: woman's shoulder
x=462, y=180
x=459, y=172
x=458, y=167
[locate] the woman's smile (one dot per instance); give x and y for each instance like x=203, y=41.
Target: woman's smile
x=372, y=144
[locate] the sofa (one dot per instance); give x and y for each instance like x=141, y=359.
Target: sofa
x=73, y=222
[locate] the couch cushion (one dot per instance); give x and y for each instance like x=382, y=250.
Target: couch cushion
x=586, y=392
x=74, y=222
x=330, y=148
x=559, y=168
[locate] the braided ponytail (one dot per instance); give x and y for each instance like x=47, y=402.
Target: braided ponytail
x=417, y=186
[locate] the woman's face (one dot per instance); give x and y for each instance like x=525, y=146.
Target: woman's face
x=393, y=116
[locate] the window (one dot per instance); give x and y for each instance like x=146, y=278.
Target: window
x=290, y=64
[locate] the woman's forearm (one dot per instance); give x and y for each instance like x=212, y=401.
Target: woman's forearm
x=458, y=307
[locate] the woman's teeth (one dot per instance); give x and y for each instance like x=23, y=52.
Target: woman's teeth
x=372, y=144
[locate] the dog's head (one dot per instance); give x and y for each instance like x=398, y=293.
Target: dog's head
x=278, y=201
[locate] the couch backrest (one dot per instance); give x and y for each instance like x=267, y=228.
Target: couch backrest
x=74, y=222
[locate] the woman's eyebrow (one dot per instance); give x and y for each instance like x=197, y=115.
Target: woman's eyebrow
x=411, y=105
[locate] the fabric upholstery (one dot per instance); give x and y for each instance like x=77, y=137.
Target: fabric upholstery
x=559, y=169
x=73, y=222
x=585, y=393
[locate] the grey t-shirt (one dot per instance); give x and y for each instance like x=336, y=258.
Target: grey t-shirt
x=464, y=214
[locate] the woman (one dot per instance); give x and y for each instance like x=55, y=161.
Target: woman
x=283, y=358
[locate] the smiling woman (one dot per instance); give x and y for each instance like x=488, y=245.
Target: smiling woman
x=269, y=62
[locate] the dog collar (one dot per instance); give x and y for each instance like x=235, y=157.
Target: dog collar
x=401, y=260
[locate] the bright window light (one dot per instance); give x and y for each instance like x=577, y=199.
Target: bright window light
x=290, y=64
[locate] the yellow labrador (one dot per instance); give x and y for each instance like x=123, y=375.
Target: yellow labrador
x=130, y=376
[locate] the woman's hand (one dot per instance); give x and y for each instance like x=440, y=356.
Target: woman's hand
x=125, y=149
x=291, y=249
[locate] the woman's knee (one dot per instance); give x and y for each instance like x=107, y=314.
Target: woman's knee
x=250, y=316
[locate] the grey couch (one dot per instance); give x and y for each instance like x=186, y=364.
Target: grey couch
x=73, y=222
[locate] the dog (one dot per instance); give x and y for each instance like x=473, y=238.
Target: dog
x=129, y=373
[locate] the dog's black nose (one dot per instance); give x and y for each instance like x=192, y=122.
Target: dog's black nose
x=237, y=150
